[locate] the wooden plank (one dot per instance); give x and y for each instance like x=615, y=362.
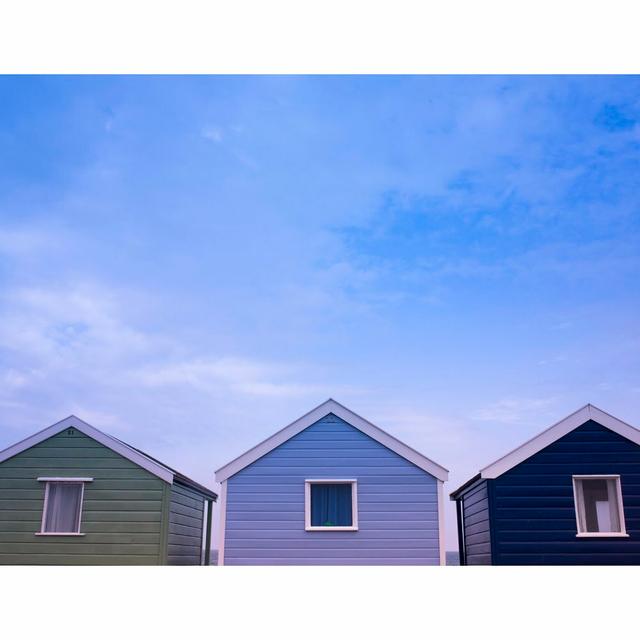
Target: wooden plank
x=183, y=560
x=118, y=538
x=9, y=485
x=478, y=507
x=476, y=517
x=177, y=518
x=31, y=473
x=76, y=559
x=44, y=546
x=476, y=528
x=189, y=541
x=121, y=505
x=181, y=529
x=67, y=463
x=83, y=453
x=187, y=501
x=90, y=493
x=185, y=511
x=188, y=551
x=121, y=516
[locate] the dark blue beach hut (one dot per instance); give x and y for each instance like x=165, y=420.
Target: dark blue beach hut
x=569, y=496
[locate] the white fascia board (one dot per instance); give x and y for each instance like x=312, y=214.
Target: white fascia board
x=331, y=406
x=557, y=431
x=111, y=443
x=222, y=522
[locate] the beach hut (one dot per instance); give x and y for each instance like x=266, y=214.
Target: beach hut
x=331, y=488
x=73, y=495
x=570, y=495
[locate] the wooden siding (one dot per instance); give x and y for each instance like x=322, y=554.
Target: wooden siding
x=186, y=522
x=121, y=512
x=534, y=519
x=477, y=537
x=397, y=504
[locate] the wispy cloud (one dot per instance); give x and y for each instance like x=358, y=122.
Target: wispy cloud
x=513, y=410
x=237, y=375
x=212, y=133
x=18, y=242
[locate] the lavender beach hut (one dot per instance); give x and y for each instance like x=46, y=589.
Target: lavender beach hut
x=331, y=489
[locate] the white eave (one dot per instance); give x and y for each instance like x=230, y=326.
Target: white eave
x=557, y=431
x=108, y=441
x=331, y=406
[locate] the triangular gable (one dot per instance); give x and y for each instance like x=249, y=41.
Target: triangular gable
x=331, y=406
x=557, y=431
x=108, y=441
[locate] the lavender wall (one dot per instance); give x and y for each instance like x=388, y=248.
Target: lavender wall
x=397, y=503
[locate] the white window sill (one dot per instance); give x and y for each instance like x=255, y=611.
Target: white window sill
x=331, y=528
x=599, y=534
x=42, y=533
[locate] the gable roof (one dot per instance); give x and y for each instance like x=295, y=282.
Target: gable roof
x=136, y=456
x=549, y=436
x=331, y=406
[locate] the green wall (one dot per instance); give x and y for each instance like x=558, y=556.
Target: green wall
x=122, y=513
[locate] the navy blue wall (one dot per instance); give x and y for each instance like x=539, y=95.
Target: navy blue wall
x=475, y=510
x=533, y=517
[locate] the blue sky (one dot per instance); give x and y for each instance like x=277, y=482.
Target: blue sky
x=190, y=263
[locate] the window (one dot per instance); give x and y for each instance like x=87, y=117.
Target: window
x=599, y=509
x=331, y=505
x=62, y=510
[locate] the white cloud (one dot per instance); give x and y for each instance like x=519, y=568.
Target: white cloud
x=74, y=325
x=88, y=349
x=238, y=375
x=19, y=242
x=512, y=410
x=212, y=133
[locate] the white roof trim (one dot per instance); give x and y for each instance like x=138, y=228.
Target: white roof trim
x=108, y=441
x=331, y=406
x=557, y=431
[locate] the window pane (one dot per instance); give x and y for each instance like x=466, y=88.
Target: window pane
x=600, y=506
x=331, y=505
x=63, y=507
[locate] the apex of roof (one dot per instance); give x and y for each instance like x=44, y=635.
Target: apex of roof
x=550, y=435
x=136, y=456
x=334, y=407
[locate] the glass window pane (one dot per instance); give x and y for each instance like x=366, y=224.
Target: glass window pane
x=614, y=514
x=331, y=505
x=600, y=506
x=63, y=507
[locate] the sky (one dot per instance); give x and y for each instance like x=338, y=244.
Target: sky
x=191, y=263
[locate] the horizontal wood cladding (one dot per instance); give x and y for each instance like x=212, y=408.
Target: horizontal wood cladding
x=121, y=513
x=476, y=525
x=533, y=511
x=397, y=504
x=186, y=523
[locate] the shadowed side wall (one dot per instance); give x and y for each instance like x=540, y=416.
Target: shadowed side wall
x=397, y=504
x=477, y=536
x=186, y=524
x=121, y=512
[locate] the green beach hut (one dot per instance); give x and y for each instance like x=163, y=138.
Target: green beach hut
x=73, y=495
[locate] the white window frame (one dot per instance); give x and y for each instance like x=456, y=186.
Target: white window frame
x=48, y=481
x=600, y=534
x=307, y=503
